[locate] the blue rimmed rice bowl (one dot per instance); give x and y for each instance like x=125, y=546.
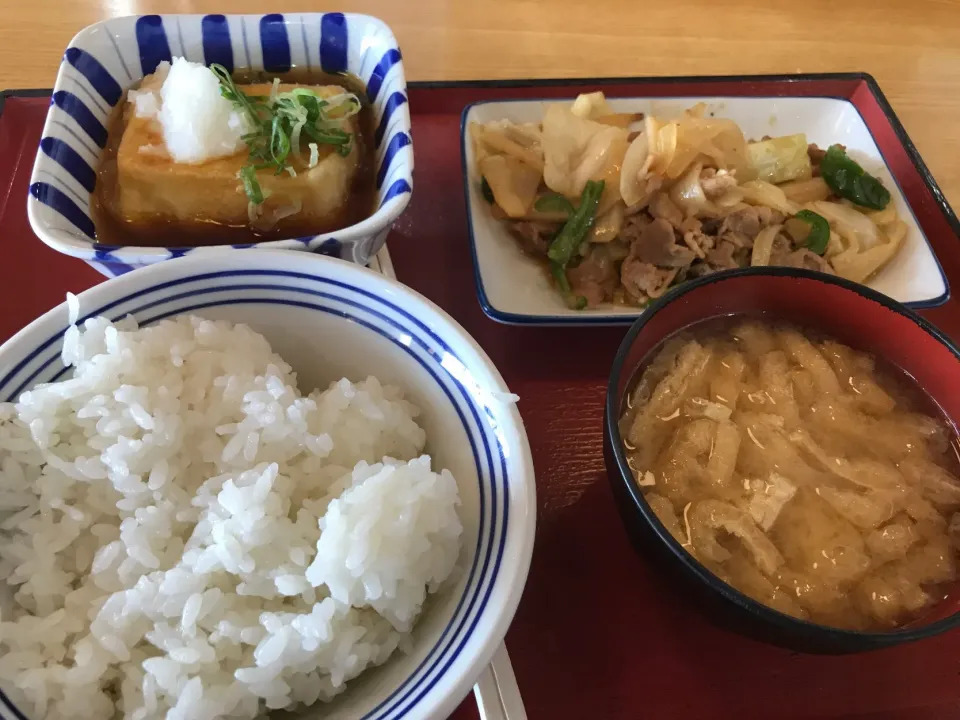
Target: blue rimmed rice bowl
x=330, y=319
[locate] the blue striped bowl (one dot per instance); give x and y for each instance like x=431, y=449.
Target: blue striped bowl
x=330, y=319
x=109, y=57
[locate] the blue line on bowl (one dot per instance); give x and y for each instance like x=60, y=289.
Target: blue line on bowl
x=152, y=43
x=275, y=43
x=96, y=74
x=334, y=43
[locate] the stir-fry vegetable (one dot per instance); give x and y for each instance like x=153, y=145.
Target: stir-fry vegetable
x=804, y=191
x=780, y=159
x=281, y=121
x=763, y=246
x=849, y=223
x=486, y=191
x=607, y=226
x=758, y=192
x=567, y=242
x=512, y=182
x=560, y=275
x=574, y=302
x=554, y=202
x=688, y=194
x=809, y=230
x=622, y=206
x=848, y=180
x=577, y=150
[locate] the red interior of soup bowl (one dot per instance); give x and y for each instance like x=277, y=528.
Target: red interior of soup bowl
x=850, y=313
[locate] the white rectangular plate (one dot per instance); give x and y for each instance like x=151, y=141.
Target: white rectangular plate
x=514, y=288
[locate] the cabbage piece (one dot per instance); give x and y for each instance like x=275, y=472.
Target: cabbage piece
x=860, y=266
x=849, y=223
x=809, y=190
x=620, y=120
x=607, y=226
x=590, y=106
x=577, y=150
x=720, y=140
x=635, y=172
x=594, y=106
x=887, y=216
x=758, y=192
x=545, y=210
x=732, y=149
x=527, y=135
x=611, y=174
x=763, y=245
x=662, y=139
x=780, y=159
x=480, y=151
x=730, y=200
x=836, y=245
x=519, y=141
x=688, y=194
x=514, y=183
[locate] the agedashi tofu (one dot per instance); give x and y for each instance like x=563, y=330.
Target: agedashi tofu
x=197, y=157
x=152, y=186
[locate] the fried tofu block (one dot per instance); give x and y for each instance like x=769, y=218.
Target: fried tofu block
x=152, y=187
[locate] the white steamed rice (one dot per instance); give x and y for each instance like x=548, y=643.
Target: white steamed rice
x=187, y=536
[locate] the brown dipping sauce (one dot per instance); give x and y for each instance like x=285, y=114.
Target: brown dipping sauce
x=111, y=229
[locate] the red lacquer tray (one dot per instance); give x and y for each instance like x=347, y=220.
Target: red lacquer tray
x=598, y=633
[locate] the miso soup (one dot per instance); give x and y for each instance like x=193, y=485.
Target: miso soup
x=810, y=476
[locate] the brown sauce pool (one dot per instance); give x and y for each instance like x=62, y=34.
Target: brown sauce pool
x=112, y=229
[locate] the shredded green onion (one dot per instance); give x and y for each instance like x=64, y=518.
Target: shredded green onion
x=284, y=123
x=251, y=186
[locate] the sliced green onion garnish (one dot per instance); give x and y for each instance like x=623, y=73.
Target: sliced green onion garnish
x=251, y=186
x=283, y=122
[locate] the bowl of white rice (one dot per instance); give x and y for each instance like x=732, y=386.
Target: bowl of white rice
x=251, y=485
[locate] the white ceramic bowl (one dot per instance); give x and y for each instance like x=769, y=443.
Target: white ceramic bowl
x=514, y=288
x=330, y=319
x=107, y=58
